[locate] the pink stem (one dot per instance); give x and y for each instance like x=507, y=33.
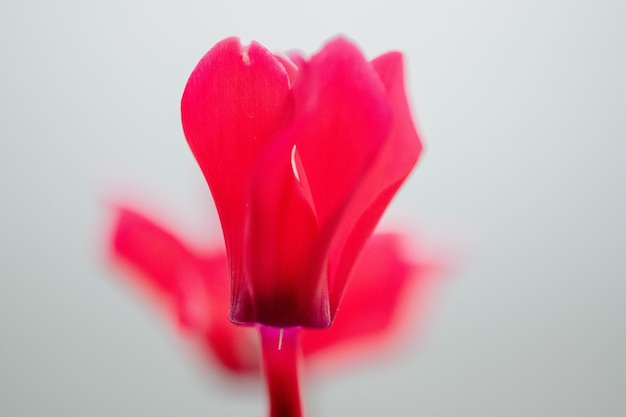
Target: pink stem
x=281, y=362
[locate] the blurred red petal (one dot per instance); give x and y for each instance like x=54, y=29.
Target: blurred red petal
x=383, y=295
x=378, y=279
x=194, y=287
x=235, y=347
x=156, y=254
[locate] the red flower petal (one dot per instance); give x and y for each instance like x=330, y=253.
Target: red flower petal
x=160, y=258
x=281, y=237
x=404, y=146
x=234, y=347
x=195, y=290
x=234, y=101
x=372, y=306
x=290, y=66
x=341, y=119
x=310, y=171
x=395, y=159
x=194, y=287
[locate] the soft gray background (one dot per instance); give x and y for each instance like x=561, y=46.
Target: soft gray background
x=521, y=105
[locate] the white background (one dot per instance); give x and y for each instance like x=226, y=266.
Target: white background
x=521, y=105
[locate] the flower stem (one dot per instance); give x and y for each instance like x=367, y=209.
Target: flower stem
x=281, y=362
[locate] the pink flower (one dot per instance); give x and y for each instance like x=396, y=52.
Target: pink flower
x=192, y=286
x=301, y=159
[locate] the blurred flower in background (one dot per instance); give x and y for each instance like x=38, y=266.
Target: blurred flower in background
x=386, y=291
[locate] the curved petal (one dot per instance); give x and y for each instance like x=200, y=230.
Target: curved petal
x=155, y=253
x=403, y=146
x=281, y=233
x=234, y=347
x=296, y=57
x=290, y=66
x=340, y=121
x=375, y=300
x=193, y=287
x=396, y=158
x=234, y=101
